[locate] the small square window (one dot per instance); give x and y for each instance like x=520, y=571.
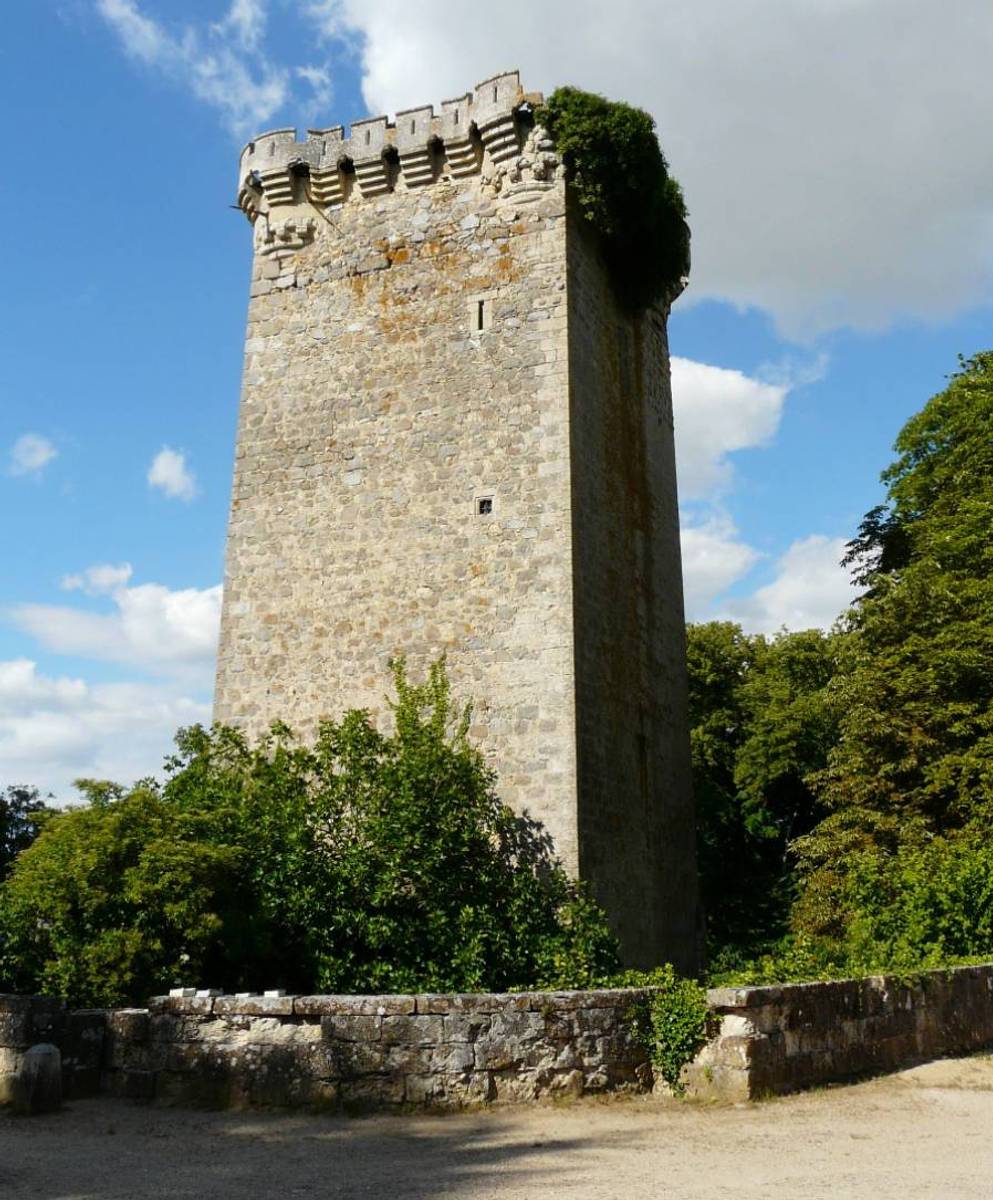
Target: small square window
x=484, y=506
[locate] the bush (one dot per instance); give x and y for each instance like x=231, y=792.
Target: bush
x=367, y=862
x=673, y=1023
x=116, y=899
x=922, y=907
x=914, y=909
x=621, y=181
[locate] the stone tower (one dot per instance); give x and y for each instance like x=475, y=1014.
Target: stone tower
x=452, y=439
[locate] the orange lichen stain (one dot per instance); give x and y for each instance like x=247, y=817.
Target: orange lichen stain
x=505, y=268
x=400, y=255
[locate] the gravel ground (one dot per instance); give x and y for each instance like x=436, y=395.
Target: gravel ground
x=923, y=1132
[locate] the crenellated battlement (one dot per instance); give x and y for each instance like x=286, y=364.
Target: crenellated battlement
x=377, y=156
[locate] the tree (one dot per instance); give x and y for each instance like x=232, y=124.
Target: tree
x=21, y=810
x=366, y=862
x=914, y=693
x=760, y=726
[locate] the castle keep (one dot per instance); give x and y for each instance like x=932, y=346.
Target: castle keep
x=452, y=439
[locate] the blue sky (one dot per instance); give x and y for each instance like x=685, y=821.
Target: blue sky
x=839, y=174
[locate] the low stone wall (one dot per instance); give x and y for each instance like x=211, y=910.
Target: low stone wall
x=774, y=1040
x=355, y=1052
x=391, y=1052
x=24, y=1022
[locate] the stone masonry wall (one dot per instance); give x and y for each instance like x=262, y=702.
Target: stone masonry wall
x=390, y=1052
x=375, y=416
x=637, y=835
x=781, y=1039
x=362, y=1052
x=452, y=441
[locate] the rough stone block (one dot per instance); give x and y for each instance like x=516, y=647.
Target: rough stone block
x=352, y=1060
x=15, y=1028
x=351, y=1027
x=254, y=1006
x=449, y=1091
x=354, y=1005
x=129, y=1024
x=371, y=1093
x=38, y=1083
x=465, y=1027
x=182, y=1005
x=413, y=1030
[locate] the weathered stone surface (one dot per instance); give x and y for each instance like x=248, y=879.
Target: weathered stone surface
x=129, y=1024
x=779, y=1039
x=189, y=1005
x=381, y=1006
x=412, y=1031
x=494, y=1049
x=418, y=344
x=254, y=1005
x=347, y=1027
x=38, y=1083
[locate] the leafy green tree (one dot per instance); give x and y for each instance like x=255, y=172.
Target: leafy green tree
x=719, y=659
x=760, y=726
x=366, y=862
x=790, y=728
x=115, y=899
x=914, y=691
x=21, y=814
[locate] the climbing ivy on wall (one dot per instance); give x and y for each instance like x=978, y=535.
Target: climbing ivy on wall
x=621, y=181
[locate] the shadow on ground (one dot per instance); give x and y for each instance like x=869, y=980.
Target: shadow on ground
x=106, y=1150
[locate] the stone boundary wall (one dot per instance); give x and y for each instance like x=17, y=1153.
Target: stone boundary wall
x=395, y=1052
x=351, y=1052
x=774, y=1040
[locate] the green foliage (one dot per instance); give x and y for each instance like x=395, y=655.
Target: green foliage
x=367, y=862
x=914, y=692
x=21, y=814
x=622, y=183
x=866, y=758
x=673, y=1023
x=114, y=900
x=922, y=907
x=760, y=725
x=916, y=909
x=794, y=958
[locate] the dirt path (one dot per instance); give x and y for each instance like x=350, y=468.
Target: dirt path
x=923, y=1133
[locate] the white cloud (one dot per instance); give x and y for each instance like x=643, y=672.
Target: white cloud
x=151, y=628
x=171, y=475
x=716, y=412
x=141, y=37
x=98, y=580
x=714, y=557
x=30, y=454
x=57, y=729
x=810, y=590
x=222, y=63
x=246, y=19
x=834, y=153
x=319, y=79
